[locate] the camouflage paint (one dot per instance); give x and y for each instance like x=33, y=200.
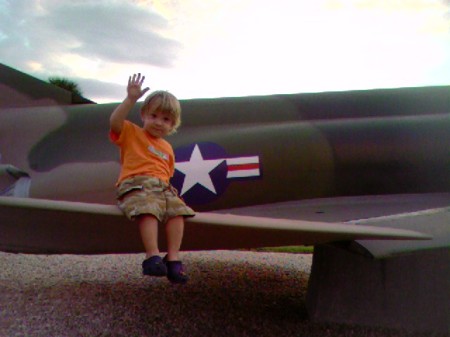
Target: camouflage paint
x=309, y=145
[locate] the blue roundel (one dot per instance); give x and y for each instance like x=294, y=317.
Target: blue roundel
x=200, y=172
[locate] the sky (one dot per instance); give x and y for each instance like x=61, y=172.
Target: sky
x=221, y=48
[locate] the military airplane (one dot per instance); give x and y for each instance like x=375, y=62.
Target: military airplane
x=58, y=168
x=366, y=171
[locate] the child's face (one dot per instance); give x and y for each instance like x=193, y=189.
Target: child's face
x=157, y=123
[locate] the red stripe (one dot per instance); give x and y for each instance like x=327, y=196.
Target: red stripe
x=243, y=167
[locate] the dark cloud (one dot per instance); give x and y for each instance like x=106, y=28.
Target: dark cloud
x=120, y=32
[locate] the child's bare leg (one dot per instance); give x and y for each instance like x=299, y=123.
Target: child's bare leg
x=148, y=226
x=174, y=233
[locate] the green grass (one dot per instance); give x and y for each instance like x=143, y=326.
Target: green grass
x=288, y=249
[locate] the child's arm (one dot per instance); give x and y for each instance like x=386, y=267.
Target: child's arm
x=134, y=92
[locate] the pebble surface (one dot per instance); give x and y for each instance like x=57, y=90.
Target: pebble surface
x=230, y=293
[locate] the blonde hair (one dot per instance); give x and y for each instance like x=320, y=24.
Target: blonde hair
x=166, y=102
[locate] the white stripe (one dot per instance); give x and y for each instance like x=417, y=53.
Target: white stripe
x=243, y=160
x=243, y=173
x=425, y=212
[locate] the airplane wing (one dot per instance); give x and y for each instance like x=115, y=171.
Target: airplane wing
x=47, y=227
x=426, y=213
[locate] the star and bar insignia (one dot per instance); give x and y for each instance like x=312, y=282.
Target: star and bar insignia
x=204, y=170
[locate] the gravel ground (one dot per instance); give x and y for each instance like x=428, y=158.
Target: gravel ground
x=230, y=293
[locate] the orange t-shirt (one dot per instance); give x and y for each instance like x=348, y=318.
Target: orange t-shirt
x=142, y=154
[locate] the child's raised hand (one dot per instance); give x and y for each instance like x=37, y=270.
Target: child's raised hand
x=134, y=88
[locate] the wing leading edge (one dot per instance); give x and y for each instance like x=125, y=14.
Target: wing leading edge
x=48, y=227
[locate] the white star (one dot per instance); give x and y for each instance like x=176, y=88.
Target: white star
x=197, y=170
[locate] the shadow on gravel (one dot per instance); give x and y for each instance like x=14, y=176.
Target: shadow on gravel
x=222, y=298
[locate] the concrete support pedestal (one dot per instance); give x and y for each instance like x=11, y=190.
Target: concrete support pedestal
x=410, y=291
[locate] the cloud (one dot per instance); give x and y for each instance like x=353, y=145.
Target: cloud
x=214, y=48
x=118, y=33
x=101, y=92
x=121, y=32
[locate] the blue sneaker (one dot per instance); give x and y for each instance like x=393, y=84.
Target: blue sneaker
x=175, y=271
x=154, y=266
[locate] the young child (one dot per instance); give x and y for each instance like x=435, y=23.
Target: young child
x=147, y=163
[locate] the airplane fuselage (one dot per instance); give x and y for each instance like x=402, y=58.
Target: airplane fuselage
x=235, y=152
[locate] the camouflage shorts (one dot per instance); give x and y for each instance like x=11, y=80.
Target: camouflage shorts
x=147, y=195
